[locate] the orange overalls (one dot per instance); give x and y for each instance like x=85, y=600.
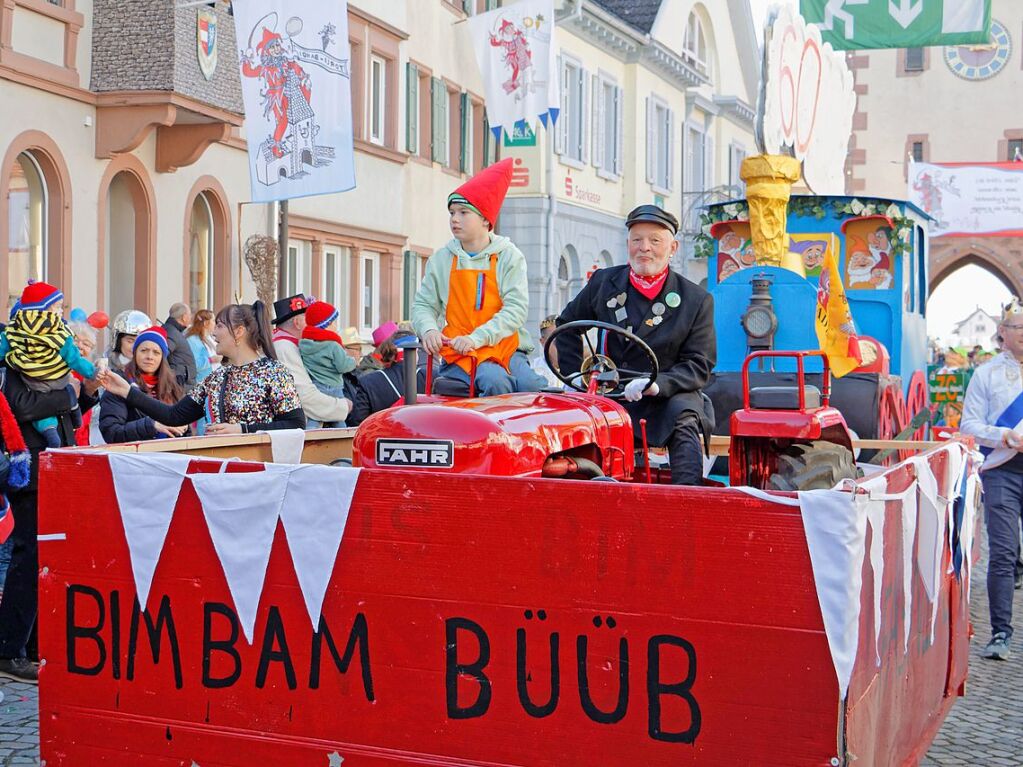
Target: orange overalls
x=473, y=299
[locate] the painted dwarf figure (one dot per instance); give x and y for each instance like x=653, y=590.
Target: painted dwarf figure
x=516, y=52
x=287, y=88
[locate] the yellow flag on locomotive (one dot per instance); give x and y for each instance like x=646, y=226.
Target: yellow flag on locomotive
x=836, y=331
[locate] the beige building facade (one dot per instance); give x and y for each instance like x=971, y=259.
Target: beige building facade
x=957, y=104
x=125, y=174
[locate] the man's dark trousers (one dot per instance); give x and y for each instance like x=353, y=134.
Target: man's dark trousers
x=1003, y=501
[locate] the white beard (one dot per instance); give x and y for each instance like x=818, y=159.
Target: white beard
x=860, y=275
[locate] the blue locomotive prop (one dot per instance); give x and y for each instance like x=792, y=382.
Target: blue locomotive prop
x=881, y=248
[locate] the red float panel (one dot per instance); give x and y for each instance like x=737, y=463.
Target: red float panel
x=477, y=621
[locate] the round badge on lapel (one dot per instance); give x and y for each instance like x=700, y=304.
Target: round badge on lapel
x=672, y=300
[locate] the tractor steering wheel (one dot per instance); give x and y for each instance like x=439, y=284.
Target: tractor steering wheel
x=611, y=379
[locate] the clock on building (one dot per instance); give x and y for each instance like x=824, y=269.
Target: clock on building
x=979, y=62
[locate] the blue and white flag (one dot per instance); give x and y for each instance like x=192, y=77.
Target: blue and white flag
x=515, y=50
x=297, y=92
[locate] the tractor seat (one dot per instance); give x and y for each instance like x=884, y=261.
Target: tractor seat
x=445, y=386
x=783, y=397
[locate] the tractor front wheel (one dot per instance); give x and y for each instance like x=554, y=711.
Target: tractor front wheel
x=816, y=465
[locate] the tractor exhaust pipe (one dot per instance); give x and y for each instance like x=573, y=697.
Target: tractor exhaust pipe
x=411, y=363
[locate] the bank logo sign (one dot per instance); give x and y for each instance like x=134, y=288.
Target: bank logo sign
x=416, y=453
x=206, y=41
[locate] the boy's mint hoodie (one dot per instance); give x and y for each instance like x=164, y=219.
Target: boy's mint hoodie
x=430, y=306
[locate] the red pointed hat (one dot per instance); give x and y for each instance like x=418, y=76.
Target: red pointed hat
x=268, y=37
x=486, y=190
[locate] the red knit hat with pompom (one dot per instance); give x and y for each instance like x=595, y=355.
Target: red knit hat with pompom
x=320, y=314
x=40, y=295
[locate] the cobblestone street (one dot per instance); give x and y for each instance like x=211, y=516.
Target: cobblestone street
x=985, y=728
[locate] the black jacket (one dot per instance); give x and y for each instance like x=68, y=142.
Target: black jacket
x=378, y=390
x=29, y=406
x=684, y=342
x=181, y=358
x=120, y=422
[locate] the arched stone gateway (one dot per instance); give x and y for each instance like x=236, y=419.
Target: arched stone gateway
x=1002, y=256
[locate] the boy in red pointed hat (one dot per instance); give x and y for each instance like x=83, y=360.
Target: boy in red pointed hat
x=474, y=297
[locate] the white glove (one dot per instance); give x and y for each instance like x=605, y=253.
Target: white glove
x=638, y=387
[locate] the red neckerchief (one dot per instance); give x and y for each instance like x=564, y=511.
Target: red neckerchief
x=283, y=335
x=313, y=333
x=150, y=381
x=648, y=286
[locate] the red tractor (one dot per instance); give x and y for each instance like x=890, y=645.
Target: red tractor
x=783, y=438
x=789, y=438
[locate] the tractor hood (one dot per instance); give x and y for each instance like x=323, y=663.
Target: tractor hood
x=508, y=435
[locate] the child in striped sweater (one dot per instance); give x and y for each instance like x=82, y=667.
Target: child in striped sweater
x=39, y=345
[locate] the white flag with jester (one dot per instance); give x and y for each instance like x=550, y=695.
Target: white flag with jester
x=296, y=86
x=518, y=60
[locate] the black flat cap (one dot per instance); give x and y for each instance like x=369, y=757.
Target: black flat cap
x=651, y=214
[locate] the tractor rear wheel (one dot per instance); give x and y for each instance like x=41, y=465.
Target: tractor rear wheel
x=816, y=465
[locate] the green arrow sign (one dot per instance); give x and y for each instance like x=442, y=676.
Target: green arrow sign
x=850, y=24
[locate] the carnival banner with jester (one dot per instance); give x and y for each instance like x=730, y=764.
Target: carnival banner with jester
x=296, y=88
x=515, y=50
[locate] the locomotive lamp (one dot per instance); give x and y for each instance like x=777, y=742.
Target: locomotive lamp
x=760, y=322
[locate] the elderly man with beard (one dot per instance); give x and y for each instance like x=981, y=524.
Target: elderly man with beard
x=675, y=317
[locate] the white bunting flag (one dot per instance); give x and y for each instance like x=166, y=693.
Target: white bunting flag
x=517, y=57
x=315, y=514
x=836, y=530
x=147, y=488
x=241, y=511
x=296, y=88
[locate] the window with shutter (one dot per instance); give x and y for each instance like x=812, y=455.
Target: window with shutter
x=663, y=147
x=561, y=128
x=609, y=127
x=488, y=140
x=670, y=178
x=439, y=121
x=914, y=60
x=412, y=108
x=651, y=141
x=709, y=175
x=596, y=120
x=465, y=124
x=410, y=283
x=584, y=116
x=619, y=131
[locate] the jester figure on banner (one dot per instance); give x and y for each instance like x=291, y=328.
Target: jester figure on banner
x=515, y=50
x=297, y=97
x=287, y=88
x=517, y=55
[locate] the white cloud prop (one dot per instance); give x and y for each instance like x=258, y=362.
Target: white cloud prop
x=809, y=101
